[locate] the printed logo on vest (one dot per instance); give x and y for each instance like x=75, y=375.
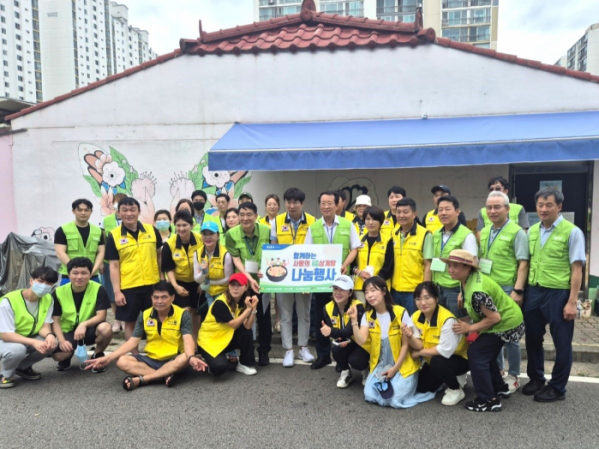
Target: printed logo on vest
x=177, y=255
x=124, y=241
x=386, y=223
x=371, y=324
x=285, y=228
x=334, y=321
x=151, y=322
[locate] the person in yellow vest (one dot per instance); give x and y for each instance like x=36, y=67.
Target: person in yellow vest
x=164, y=223
x=25, y=327
x=336, y=326
x=431, y=220
x=493, y=319
x=517, y=212
x=228, y=326
x=177, y=262
x=330, y=229
x=272, y=204
x=363, y=202
x=394, y=194
x=445, y=353
x=80, y=314
x=133, y=250
x=342, y=206
x=80, y=239
x=290, y=229
x=504, y=255
x=375, y=255
x=222, y=204
x=557, y=258
x=413, y=252
x=169, y=348
x=393, y=377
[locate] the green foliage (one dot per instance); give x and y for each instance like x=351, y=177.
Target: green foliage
x=130, y=173
x=241, y=184
x=94, y=185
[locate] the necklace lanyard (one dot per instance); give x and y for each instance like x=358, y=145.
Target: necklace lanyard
x=443, y=245
x=294, y=229
x=253, y=250
x=330, y=232
x=491, y=241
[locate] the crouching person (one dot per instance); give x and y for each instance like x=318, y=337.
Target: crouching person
x=228, y=326
x=25, y=333
x=168, y=331
x=80, y=314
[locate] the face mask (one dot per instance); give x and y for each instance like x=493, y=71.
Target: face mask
x=197, y=205
x=40, y=289
x=116, y=206
x=163, y=225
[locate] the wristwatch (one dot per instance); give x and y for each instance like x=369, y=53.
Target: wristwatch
x=518, y=291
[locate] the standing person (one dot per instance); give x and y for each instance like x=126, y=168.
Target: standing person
x=80, y=314
x=394, y=194
x=177, y=262
x=245, y=197
x=330, y=229
x=413, y=252
x=557, y=256
x=228, y=326
x=517, y=213
x=375, y=255
x=495, y=319
x=108, y=224
x=222, y=204
x=431, y=219
x=272, y=204
x=199, y=199
x=25, y=333
x=393, y=377
x=290, y=229
x=342, y=206
x=244, y=243
x=504, y=258
x=336, y=326
x=80, y=239
x=452, y=235
x=133, y=250
x=163, y=222
x=362, y=203
x=445, y=353
x=231, y=219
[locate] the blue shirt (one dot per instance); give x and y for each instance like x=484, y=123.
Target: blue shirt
x=576, y=245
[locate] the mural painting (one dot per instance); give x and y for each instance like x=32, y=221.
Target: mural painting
x=354, y=187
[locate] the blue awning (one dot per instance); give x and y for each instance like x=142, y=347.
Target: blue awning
x=432, y=142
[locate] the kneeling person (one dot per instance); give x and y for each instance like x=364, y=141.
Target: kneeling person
x=80, y=314
x=168, y=331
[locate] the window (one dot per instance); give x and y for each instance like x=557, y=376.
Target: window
x=19, y=47
x=16, y=3
x=20, y=78
x=20, y=68
x=3, y=30
x=5, y=63
x=4, y=42
x=6, y=84
x=19, y=58
x=3, y=19
x=6, y=74
x=2, y=8
x=18, y=36
x=17, y=15
x=21, y=89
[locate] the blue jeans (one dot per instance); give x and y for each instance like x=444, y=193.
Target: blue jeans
x=514, y=352
x=448, y=298
x=404, y=299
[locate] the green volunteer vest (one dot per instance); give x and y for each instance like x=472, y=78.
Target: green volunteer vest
x=70, y=319
x=456, y=241
x=110, y=222
x=341, y=236
x=505, y=266
x=511, y=315
x=550, y=265
x=514, y=213
x=26, y=324
x=75, y=247
x=238, y=235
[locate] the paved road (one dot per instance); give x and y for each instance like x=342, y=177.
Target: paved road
x=291, y=408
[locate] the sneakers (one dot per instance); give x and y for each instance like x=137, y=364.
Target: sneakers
x=345, y=379
x=97, y=356
x=512, y=383
x=65, y=365
x=28, y=374
x=6, y=382
x=452, y=397
x=288, y=359
x=478, y=405
x=263, y=359
x=365, y=374
x=533, y=387
x=247, y=370
x=549, y=394
x=504, y=392
x=305, y=355
x=462, y=380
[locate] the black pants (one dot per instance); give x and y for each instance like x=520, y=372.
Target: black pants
x=264, y=326
x=441, y=371
x=352, y=355
x=323, y=344
x=242, y=340
x=544, y=306
x=482, y=355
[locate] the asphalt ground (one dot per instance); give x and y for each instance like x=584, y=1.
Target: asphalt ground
x=278, y=408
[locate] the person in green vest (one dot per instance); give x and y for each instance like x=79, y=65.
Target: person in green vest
x=80, y=239
x=330, y=229
x=80, y=314
x=557, y=257
x=453, y=235
x=25, y=327
x=244, y=243
x=504, y=258
x=493, y=319
x=199, y=199
x=517, y=212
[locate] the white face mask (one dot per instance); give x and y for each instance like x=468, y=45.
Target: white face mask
x=116, y=206
x=40, y=289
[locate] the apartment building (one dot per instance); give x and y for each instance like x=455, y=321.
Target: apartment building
x=584, y=54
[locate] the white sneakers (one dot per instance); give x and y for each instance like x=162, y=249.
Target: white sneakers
x=247, y=370
x=305, y=355
x=462, y=380
x=512, y=383
x=288, y=359
x=452, y=397
x=344, y=379
x=365, y=373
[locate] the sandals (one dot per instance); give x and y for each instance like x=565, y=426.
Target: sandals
x=169, y=381
x=131, y=385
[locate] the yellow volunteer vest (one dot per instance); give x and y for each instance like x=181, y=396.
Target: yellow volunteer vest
x=216, y=267
x=184, y=259
x=432, y=221
x=408, y=269
x=333, y=314
x=373, y=256
x=167, y=343
x=387, y=226
x=214, y=337
x=137, y=258
x=286, y=234
x=430, y=333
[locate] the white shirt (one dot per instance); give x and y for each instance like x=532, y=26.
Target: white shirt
x=469, y=244
x=7, y=316
x=385, y=322
x=448, y=341
x=354, y=238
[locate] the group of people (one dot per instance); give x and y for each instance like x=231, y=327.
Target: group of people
x=417, y=305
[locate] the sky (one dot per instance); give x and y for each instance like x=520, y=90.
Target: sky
x=528, y=28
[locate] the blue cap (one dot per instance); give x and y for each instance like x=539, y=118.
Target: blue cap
x=209, y=226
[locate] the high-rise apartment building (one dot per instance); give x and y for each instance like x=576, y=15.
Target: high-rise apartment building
x=472, y=21
x=584, y=54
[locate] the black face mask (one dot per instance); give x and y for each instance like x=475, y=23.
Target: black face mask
x=197, y=205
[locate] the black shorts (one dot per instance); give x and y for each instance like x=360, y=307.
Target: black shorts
x=138, y=299
x=88, y=340
x=154, y=364
x=188, y=301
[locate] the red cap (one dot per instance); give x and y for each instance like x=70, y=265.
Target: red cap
x=239, y=277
